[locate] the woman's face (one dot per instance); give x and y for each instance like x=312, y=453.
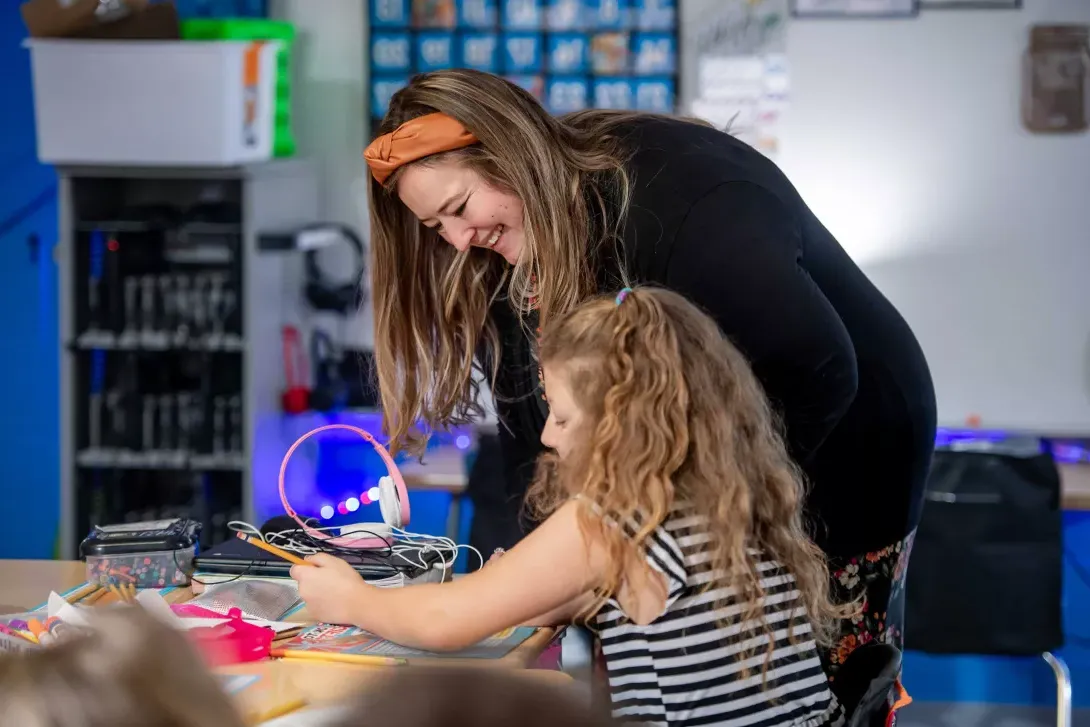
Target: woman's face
x=465, y=210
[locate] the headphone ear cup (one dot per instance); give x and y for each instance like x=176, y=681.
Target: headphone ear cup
x=389, y=502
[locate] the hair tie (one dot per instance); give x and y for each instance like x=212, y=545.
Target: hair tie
x=622, y=295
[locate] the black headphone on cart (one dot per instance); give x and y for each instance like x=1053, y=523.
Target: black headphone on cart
x=342, y=298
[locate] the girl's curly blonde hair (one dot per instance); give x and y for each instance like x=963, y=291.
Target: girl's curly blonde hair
x=672, y=412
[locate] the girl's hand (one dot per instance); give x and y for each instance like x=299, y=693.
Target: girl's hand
x=496, y=555
x=333, y=591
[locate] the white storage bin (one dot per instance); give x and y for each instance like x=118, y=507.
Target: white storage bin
x=178, y=103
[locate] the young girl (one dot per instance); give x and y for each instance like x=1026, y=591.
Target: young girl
x=674, y=529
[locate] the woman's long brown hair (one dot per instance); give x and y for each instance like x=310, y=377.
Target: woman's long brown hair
x=431, y=303
x=674, y=414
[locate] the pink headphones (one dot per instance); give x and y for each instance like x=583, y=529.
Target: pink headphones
x=393, y=496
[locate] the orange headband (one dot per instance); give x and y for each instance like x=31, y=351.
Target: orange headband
x=413, y=140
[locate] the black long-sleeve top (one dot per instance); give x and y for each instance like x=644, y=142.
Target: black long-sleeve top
x=718, y=222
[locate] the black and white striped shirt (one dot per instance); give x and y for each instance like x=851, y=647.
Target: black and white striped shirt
x=683, y=669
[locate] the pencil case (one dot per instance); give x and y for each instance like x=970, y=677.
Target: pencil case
x=153, y=554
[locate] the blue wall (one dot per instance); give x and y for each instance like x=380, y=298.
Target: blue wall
x=29, y=381
x=1027, y=682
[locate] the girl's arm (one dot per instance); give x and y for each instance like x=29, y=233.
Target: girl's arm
x=544, y=576
x=564, y=614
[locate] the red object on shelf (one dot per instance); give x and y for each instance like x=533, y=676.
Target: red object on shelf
x=296, y=396
x=233, y=642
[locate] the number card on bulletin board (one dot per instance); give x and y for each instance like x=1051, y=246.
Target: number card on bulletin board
x=570, y=54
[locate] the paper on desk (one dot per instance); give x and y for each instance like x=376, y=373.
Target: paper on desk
x=157, y=606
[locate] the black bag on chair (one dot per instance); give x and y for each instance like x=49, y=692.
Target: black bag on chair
x=987, y=561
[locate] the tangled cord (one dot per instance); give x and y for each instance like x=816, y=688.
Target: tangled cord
x=358, y=546
x=406, y=545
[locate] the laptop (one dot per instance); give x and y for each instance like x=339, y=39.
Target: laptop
x=238, y=558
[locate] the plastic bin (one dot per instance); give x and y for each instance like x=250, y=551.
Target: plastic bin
x=177, y=103
x=152, y=554
x=153, y=569
x=236, y=29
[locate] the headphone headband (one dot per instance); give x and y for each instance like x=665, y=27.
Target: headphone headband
x=391, y=468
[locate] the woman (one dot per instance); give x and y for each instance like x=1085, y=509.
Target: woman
x=489, y=217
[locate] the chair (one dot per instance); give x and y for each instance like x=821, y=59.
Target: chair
x=987, y=562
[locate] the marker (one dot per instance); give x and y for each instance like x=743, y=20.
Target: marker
x=18, y=634
x=41, y=633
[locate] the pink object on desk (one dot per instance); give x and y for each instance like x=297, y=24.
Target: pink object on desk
x=233, y=642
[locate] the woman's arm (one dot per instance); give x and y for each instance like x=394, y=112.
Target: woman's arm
x=543, y=575
x=737, y=256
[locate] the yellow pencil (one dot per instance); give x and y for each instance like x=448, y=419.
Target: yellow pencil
x=117, y=592
x=82, y=592
x=279, y=711
x=130, y=592
x=291, y=558
x=95, y=597
x=361, y=659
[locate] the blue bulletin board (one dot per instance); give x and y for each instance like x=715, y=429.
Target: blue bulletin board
x=570, y=54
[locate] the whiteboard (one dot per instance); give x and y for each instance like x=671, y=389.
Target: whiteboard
x=904, y=137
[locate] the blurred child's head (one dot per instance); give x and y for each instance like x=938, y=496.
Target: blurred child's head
x=651, y=404
x=473, y=697
x=128, y=670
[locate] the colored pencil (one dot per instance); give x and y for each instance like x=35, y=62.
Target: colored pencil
x=362, y=659
x=290, y=557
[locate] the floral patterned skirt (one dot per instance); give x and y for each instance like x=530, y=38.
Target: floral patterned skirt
x=878, y=578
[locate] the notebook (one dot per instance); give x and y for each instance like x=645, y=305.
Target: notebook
x=333, y=638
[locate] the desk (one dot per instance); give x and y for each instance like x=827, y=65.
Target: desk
x=25, y=584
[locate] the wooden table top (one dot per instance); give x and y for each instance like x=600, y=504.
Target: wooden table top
x=25, y=584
